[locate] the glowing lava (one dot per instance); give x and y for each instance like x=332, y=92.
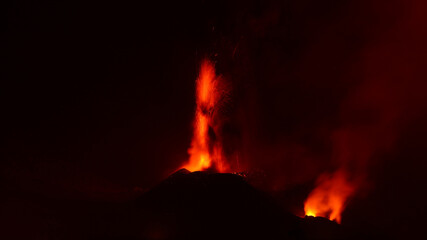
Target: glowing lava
x=205, y=152
x=330, y=196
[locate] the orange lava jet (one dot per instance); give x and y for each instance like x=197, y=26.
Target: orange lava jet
x=204, y=152
x=330, y=196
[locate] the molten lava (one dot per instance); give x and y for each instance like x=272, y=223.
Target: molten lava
x=330, y=196
x=206, y=152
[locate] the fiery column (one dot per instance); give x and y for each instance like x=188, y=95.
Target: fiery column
x=204, y=152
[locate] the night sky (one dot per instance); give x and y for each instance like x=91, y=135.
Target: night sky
x=97, y=98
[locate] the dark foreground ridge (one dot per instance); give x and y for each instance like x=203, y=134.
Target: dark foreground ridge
x=203, y=205
x=186, y=205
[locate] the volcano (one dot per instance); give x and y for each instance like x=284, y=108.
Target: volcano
x=186, y=205
x=204, y=205
x=278, y=109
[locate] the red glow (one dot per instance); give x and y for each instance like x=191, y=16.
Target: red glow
x=203, y=152
x=330, y=196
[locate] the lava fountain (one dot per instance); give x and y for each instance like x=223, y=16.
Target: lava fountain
x=206, y=148
x=330, y=196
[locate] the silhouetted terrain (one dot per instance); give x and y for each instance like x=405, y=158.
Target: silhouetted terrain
x=198, y=205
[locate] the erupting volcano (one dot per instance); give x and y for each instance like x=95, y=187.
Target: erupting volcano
x=206, y=149
x=290, y=120
x=332, y=191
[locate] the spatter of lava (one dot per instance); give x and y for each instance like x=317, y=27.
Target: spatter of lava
x=204, y=152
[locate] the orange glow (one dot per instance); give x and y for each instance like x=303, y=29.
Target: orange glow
x=330, y=196
x=204, y=153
